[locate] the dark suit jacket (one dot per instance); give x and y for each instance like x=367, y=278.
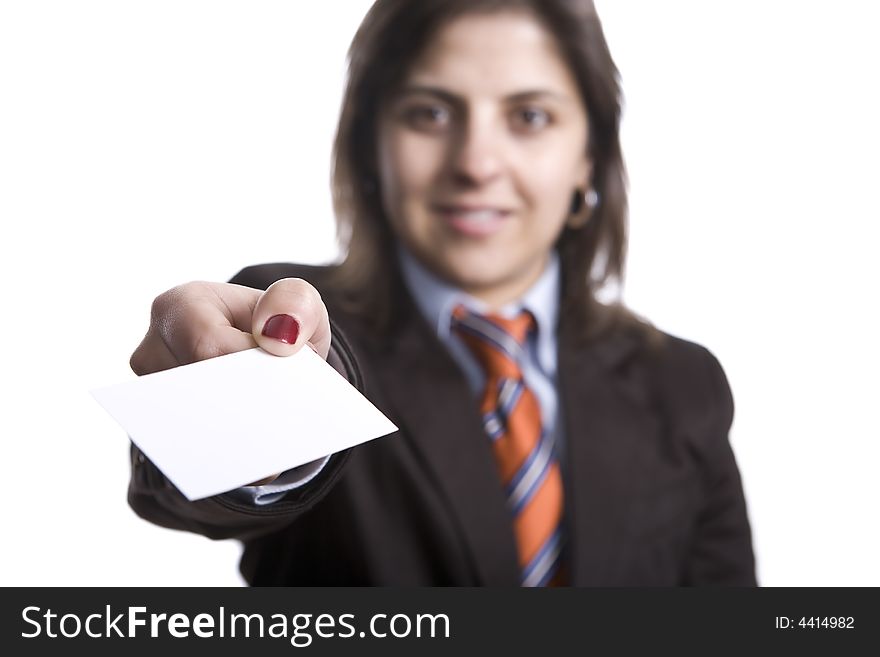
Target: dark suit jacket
x=653, y=494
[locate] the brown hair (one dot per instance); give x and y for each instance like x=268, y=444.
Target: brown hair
x=389, y=39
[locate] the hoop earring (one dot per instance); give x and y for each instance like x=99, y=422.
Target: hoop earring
x=591, y=198
x=583, y=204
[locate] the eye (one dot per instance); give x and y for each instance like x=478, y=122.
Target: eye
x=530, y=119
x=427, y=118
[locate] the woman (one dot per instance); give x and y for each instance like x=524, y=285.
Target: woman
x=545, y=438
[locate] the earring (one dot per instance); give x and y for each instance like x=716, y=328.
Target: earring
x=591, y=198
x=579, y=215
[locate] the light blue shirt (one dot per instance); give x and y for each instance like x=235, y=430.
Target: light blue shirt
x=287, y=481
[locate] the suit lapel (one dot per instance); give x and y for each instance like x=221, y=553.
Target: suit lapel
x=441, y=420
x=602, y=431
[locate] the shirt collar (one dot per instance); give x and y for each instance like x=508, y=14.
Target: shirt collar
x=436, y=299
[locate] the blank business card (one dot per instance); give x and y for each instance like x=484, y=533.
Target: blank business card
x=228, y=421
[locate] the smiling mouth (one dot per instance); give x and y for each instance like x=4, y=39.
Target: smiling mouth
x=474, y=221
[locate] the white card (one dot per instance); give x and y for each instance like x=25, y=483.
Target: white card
x=228, y=421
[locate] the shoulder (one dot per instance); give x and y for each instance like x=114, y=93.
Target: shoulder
x=690, y=375
x=681, y=363
x=679, y=378
x=692, y=391
x=629, y=339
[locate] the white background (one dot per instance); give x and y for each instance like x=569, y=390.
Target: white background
x=144, y=144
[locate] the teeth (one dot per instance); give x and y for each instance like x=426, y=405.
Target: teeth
x=480, y=216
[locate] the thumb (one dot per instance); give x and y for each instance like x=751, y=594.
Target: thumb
x=290, y=314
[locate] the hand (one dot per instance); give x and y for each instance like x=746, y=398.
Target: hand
x=200, y=320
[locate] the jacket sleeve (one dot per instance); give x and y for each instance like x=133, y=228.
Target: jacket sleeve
x=153, y=497
x=721, y=551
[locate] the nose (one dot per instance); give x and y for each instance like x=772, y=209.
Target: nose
x=477, y=154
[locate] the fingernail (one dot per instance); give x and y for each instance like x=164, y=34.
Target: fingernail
x=281, y=327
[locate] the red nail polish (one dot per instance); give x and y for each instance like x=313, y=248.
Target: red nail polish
x=281, y=327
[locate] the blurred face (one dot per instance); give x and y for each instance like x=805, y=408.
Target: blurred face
x=480, y=152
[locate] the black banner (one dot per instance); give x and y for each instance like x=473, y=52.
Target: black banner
x=338, y=621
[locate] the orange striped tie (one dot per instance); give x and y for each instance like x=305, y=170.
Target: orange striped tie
x=524, y=452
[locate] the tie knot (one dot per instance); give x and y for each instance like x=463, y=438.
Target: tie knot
x=497, y=342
